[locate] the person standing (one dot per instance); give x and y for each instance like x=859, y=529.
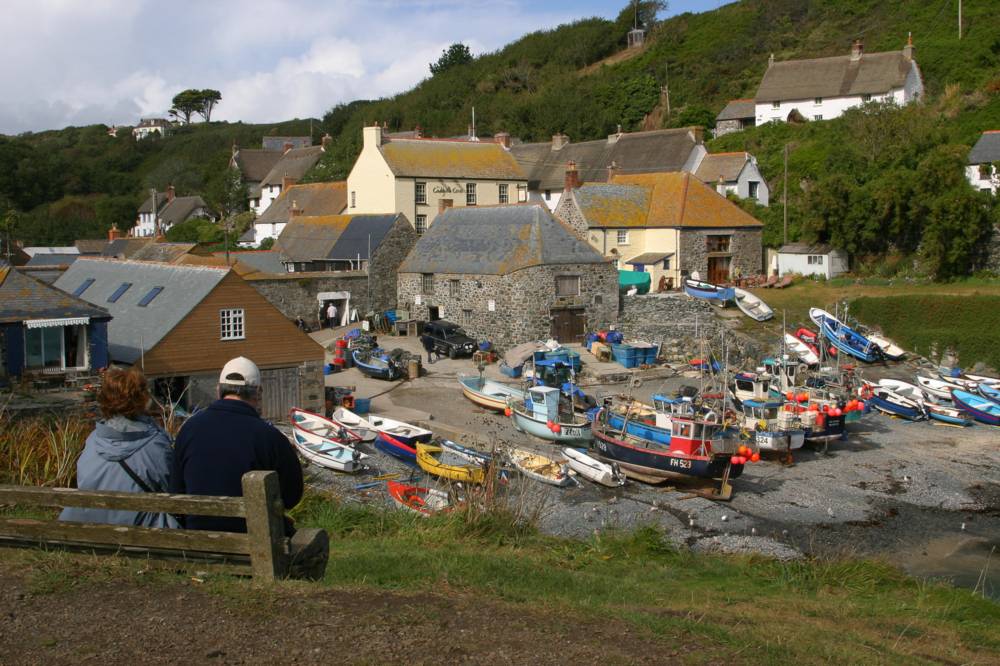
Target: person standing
x=428, y=343
x=221, y=443
x=331, y=315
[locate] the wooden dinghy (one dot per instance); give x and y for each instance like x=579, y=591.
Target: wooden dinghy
x=356, y=424
x=540, y=468
x=323, y=427
x=488, y=393
x=752, y=306
x=593, y=469
x=982, y=409
x=937, y=387
x=326, y=453
x=419, y=500
x=429, y=459
x=950, y=415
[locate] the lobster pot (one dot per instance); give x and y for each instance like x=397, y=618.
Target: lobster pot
x=808, y=419
x=788, y=420
x=725, y=446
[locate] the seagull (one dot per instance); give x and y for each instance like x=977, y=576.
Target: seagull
x=725, y=517
x=963, y=527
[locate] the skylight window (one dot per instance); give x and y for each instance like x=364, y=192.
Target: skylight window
x=148, y=298
x=113, y=298
x=83, y=287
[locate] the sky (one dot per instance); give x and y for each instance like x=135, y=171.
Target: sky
x=81, y=62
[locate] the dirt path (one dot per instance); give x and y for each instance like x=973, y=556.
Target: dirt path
x=174, y=620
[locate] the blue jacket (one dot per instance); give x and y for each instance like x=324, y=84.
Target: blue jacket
x=144, y=447
x=220, y=444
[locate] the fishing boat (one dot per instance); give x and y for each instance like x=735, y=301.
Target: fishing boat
x=982, y=409
x=773, y=428
x=983, y=379
x=322, y=427
x=429, y=458
x=751, y=386
x=990, y=392
x=641, y=420
x=949, y=415
x=962, y=382
x=396, y=448
x=540, y=415
x=488, y=393
x=937, y=387
x=818, y=316
x=806, y=353
x=540, y=468
x=894, y=404
x=326, y=453
x=593, y=469
x=751, y=305
x=847, y=339
x=906, y=389
x=358, y=425
x=423, y=501
x=890, y=349
x=709, y=291
x=404, y=432
x=376, y=363
x=466, y=453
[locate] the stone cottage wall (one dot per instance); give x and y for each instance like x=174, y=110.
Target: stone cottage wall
x=385, y=263
x=569, y=212
x=295, y=295
x=745, y=247
x=723, y=127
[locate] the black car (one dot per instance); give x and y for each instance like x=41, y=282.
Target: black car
x=449, y=339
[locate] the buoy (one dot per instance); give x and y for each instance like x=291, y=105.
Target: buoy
x=735, y=460
x=755, y=457
x=508, y=411
x=556, y=428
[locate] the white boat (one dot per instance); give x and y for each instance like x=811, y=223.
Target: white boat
x=593, y=469
x=906, y=389
x=937, y=387
x=356, y=424
x=752, y=306
x=964, y=383
x=890, y=349
x=404, y=432
x=801, y=349
x=466, y=453
x=540, y=468
x=817, y=315
x=983, y=379
x=322, y=427
x=326, y=453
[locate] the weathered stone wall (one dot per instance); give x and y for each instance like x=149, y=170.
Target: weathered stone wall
x=723, y=127
x=311, y=386
x=385, y=262
x=569, y=212
x=745, y=248
x=295, y=295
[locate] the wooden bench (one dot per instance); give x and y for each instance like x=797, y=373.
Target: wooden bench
x=263, y=551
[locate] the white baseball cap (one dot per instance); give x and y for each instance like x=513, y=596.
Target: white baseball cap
x=240, y=371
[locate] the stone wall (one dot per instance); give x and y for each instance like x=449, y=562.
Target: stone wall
x=723, y=127
x=385, y=262
x=294, y=295
x=311, y=386
x=569, y=212
x=745, y=248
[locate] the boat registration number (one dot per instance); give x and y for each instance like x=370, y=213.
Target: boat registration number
x=680, y=462
x=602, y=446
x=572, y=432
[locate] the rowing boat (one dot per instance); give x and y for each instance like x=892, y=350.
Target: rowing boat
x=488, y=393
x=326, y=453
x=752, y=306
x=429, y=459
x=593, y=469
x=356, y=424
x=422, y=501
x=540, y=468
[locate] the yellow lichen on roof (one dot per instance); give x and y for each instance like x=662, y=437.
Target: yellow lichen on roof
x=329, y=221
x=3, y=274
x=681, y=200
x=606, y=206
x=451, y=159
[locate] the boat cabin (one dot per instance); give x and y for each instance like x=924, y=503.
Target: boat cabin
x=756, y=411
x=543, y=403
x=752, y=385
x=669, y=408
x=694, y=438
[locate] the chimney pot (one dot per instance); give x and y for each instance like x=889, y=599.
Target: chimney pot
x=114, y=233
x=908, y=49
x=698, y=134
x=559, y=140
x=503, y=138
x=170, y=193
x=857, y=50
x=572, y=180
x=296, y=211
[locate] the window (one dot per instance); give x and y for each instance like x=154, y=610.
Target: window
x=522, y=193
x=148, y=298
x=616, y=263
x=815, y=259
x=467, y=317
x=504, y=198
x=57, y=347
x=113, y=298
x=568, y=285
x=427, y=283
x=666, y=264
x=818, y=101
x=83, y=287
x=717, y=244
x=548, y=195
x=420, y=193
x=231, y=324
x=754, y=186
x=453, y=288
x=470, y=194
x=421, y=224
x=775, y=105
x=985, y=171
x=622, y=237
x=354, y=199
x=818, y=117
x=866, y=98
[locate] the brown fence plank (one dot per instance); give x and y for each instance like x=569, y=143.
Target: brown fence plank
x=122, y=535
x=265, y=525
x=203, y=505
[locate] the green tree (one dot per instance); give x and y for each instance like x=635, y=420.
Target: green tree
x=453, y=56
x=209, y=98
x=266, y=244
x=640, y=12
x=187, y=103
x=196, y=230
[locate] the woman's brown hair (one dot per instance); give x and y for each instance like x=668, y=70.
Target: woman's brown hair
x=123, y=393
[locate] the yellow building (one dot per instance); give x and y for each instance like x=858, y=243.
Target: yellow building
x=420, y=177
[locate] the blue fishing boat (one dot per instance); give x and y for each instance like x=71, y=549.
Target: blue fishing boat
x=849, y=341
x=949, y=415
x=639, y=427
x=990, y=392
x=890, y=402
x=540, y=415
x=709, y=291
x=376, y=363
x=982, y=409
x=391, y=446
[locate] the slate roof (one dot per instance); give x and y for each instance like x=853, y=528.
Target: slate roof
x=125, y=248
x=90, y=245
x=173, y=212
x=839, y=76
x=23, y=298
x=649, y=258
x=635, y=152
x=168, y=253
x=293, y=164
x=135, y=329
x=727, y=165
x=451, y=159
x=256, y=164
x=806, y=248
x=737, y=109
x=52, y=260
x=308, y=238
x=987, y=148
x=33, y=251
x=261, y=261
x=496, y=240
x=659, y=200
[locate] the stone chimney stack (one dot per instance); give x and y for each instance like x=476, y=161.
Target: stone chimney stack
x=170, y=193
x=857, y=50
x=559, y=140
x=114, y=233
x=612, y=170
x=296, y=211
x=503, y=138
x=697, y=134
x=908, y=49
x=287, y=181
x=572, y=180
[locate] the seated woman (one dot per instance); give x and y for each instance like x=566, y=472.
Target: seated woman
x=126, y=452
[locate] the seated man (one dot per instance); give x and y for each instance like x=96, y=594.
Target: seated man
x=220, y=444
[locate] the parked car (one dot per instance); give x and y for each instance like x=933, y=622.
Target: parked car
x=449, y=339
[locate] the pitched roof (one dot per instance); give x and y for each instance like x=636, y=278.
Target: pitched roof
x=450, y=159
x=293, y=164
x=52, y=260
x=32, y=251
x=839, y=76
x=168, y=253
x=277, y=143
x=90, y=245
x=172, y=212
x=806, y=248
x=255, y=164
x=134, y=329
x=659, y=200
x=262, y=261
x=987, y=148
x=311, y=199
x=726, y=165
x=331, y=237
x=23, y=298
x=125, y=248
x=635, y=152
x=496, y=240
x=737, y=109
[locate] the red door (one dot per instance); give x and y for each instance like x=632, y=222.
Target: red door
x=718, y=269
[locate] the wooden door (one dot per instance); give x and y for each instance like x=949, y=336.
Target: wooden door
x=569, y=325
x=280, y=392
x=718, y=269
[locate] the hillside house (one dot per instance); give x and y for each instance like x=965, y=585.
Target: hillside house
x=314, y=199
x=287, y=171
x=46, y=331
x=283, y=144
x=983, y=168
x=736, y=116
x=149, y=126
x=421, y=177
x=824, y=88
x=667, y=224
x=734, y=173
x=597, y=161
x=180, y=324
x=820, y=259
x=162, y=210
x=509, y=274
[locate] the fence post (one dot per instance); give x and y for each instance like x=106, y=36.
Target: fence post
x=265, y=525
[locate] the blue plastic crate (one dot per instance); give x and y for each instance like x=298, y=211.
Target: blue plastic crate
x=362, y=405
x=511, y=372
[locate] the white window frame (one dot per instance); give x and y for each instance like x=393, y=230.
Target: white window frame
x=622, y=237
x=502, y=194
x=420, y=224
x=753, y=189
x=470, y=194
x=522, y=193
x=818, y=116
x=420, y=193
x=232, y=324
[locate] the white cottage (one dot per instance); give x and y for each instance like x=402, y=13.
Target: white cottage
x=983, y=168
x=804, y=259
x=734, y=173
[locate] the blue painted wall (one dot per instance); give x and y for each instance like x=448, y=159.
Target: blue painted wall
x=15, y=348
x=97, y=333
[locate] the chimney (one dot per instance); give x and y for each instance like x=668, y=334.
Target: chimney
x=287, y=146
x=720, y=186
x=325, y=142
x=770, y=61
x=287, y=181
x=296, y=211
x=443, y=204
x=170, y=193
x=236, y=149
x=114, y=233
x=908, y=49
x=697, y=134
x=572, y=177
x=613, y=138
x=612, y=170
x=418, y=132
x=372, y=136
x=857, y=49
x=559, y=140
x=503, y=138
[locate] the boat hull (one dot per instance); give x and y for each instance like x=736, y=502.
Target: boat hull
x=428, y=461
x=951, y=416
x=326, y=454
x=896, y=409
x=757, y=310
x=981, y=409
x=403, y=432
x=422, y=501
x=720, y=295
x=569, y=432
x=640, y=429
x=775, y=440
x=658, y=462
x=833, y=428
x=376, y=371
x=488, y=393
x=593, y=469
x=395, y=448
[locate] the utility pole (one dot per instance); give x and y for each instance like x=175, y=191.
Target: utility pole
x=784, y=197
x=666, y=87
x=960, y=19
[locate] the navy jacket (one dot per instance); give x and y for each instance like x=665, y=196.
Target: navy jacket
x=220, y=444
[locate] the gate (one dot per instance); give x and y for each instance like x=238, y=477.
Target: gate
x=280, y=392
x=569, y=325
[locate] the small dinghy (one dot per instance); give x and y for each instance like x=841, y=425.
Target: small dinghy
x=752, y=306
x=937, y=387
x=323, y=427
x=593, y=469
x=844, y=338
x=429, y=457
x=404, y=432
x=905, y=389
x=422, y=501
x=806, y=353
x=890, y=349
x=949, y=415
x=983, y=379
x=376, y=363
x=990, y=392
x=466, y=453
x=963, y=383
x=982, y=409
x=540, y=468
x=698, y=289
x=358, y=425
x=894, y=404
x=391, y=446
x=488, y=393
x=325, y=453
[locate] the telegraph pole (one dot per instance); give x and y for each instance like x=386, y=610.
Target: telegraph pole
x=666, y=86
x=960, y=19
x=784, y=197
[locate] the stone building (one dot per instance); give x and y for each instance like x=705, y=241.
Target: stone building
x=737, y=115
x=509, y=274
x=734, y=173
x=668, y=224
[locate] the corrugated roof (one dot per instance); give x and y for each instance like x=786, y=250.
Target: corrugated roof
x=308, y=238
x=726, y=165
x=839, y=76
x=23, y=298
x=135, y=330
x=293, y=164
x=496, y=241
x=450, y=159
x=256, y=164
x=737, y=109
x=987, y=148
